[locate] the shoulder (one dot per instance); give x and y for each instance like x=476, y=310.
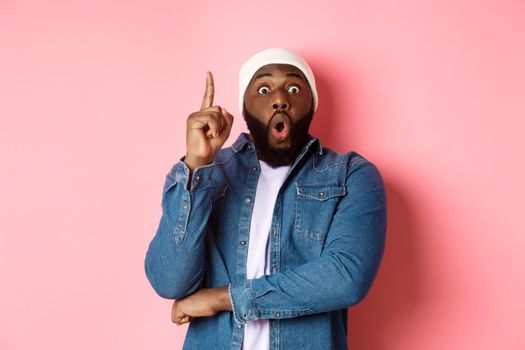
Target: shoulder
x=224, y=155
x=357, y=167
x=327, y=158
x=234, y=151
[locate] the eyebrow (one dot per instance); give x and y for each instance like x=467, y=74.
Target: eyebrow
x=290, y=74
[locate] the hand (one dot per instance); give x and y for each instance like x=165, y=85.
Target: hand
x=205, y=302
x=206, y=130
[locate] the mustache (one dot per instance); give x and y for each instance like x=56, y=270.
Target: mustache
x=284, y=116
x=280, y=112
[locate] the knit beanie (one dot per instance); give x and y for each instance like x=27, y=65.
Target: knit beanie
x=273, y=56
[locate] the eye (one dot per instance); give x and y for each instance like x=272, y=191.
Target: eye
x=263, y=90
x=294, y=89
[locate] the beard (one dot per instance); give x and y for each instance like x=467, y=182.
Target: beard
x=281, y=156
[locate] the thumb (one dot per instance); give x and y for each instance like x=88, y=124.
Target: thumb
x=228, y=118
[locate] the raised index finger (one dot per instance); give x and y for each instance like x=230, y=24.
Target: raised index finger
x=207, y=100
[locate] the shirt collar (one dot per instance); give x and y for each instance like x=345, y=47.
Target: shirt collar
x=241, y=141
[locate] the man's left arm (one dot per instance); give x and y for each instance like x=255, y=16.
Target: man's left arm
x=342, y=275
x=339, y=278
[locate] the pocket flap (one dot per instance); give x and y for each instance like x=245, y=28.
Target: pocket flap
x=321, y=192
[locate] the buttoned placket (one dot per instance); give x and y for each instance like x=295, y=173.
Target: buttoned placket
x=275, y=246
x=274, y=261
x=252, y=177
x=274, y=240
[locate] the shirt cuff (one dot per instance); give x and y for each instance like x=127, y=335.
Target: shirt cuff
x=180, y=173
x=241, y=297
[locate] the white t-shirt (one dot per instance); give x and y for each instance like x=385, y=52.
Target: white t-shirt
x=257, y=333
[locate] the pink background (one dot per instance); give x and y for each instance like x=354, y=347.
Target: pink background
x=93, y=101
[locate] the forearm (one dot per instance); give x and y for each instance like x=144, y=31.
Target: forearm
x=221, y=300
x=332, y=282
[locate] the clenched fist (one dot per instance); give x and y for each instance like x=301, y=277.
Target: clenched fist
x=205, y=302
x=206, y=130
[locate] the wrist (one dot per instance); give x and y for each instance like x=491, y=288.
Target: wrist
x=222, y=300
x=193, y=162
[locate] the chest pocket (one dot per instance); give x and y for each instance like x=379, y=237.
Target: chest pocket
x=314, y=208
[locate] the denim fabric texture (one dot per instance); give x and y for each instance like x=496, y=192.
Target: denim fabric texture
x=326, y=243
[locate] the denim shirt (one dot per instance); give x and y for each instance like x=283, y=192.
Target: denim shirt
x=326, y=243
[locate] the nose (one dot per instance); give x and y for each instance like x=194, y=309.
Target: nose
x=280, y=100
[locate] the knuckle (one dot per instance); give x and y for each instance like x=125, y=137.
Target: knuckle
x=214, y=116
x=193, y=116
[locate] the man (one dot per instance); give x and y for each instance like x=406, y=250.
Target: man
x=265, y=244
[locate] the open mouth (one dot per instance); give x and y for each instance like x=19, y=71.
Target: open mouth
x=280, y=127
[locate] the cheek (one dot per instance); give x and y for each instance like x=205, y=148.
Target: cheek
x=252, y=103
x=258, y=108
x=303, y=104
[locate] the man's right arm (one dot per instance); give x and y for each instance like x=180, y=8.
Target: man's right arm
x=175, y=258
x=175, y=261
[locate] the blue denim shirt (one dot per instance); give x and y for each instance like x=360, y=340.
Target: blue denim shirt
x=326, y=242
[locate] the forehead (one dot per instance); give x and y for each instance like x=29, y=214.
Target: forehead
x=273, y=70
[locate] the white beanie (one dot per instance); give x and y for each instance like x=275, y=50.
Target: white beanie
x=273, y=56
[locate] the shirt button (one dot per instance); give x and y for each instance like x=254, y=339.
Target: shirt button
x=254, y=169
x=197, y=178
x=277, y=314
x=244, y=315
x=243, y=242
x=239, y=326
x=248, y=200
x=321, y=194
